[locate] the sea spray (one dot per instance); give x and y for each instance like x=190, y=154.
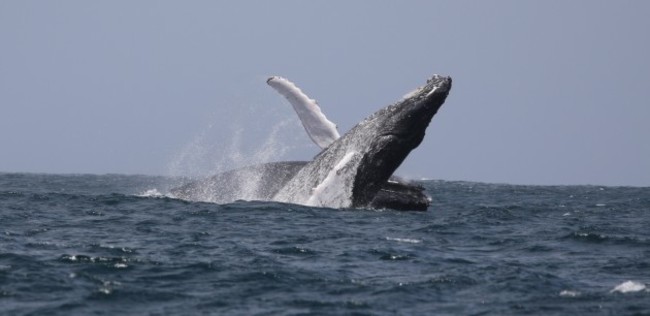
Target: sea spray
x=252, y=136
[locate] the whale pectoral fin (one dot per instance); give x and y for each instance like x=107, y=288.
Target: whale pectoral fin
x=321, y=130
x=336, y=189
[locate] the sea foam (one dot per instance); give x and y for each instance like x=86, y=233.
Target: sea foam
x=629, y=287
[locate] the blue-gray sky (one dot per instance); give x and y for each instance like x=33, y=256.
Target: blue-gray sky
x=545, y=92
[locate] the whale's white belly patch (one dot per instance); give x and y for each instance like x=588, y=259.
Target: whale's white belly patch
x=336, y=189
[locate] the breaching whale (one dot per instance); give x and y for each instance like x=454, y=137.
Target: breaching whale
x=354, y=170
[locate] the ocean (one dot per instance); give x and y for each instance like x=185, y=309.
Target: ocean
x=116, y=245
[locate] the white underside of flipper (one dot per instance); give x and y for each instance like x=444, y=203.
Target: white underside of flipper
x=321, y=130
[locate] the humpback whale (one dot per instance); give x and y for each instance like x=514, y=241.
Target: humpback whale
x=352, y=171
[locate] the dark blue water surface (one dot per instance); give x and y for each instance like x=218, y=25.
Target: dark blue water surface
x=108, y=245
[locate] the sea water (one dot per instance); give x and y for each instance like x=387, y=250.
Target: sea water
x=117, y=245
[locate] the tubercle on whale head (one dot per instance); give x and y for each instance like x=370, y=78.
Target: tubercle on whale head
x=435, y=83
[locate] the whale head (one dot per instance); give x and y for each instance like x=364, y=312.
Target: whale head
x=392, y=133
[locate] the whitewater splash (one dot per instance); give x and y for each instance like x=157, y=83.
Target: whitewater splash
x=629, y=287
x=250, y=139
x=151, y=193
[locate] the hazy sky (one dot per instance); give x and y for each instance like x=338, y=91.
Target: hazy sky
x=545, y=92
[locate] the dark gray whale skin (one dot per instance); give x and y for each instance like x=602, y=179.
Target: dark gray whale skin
x=397, y=194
